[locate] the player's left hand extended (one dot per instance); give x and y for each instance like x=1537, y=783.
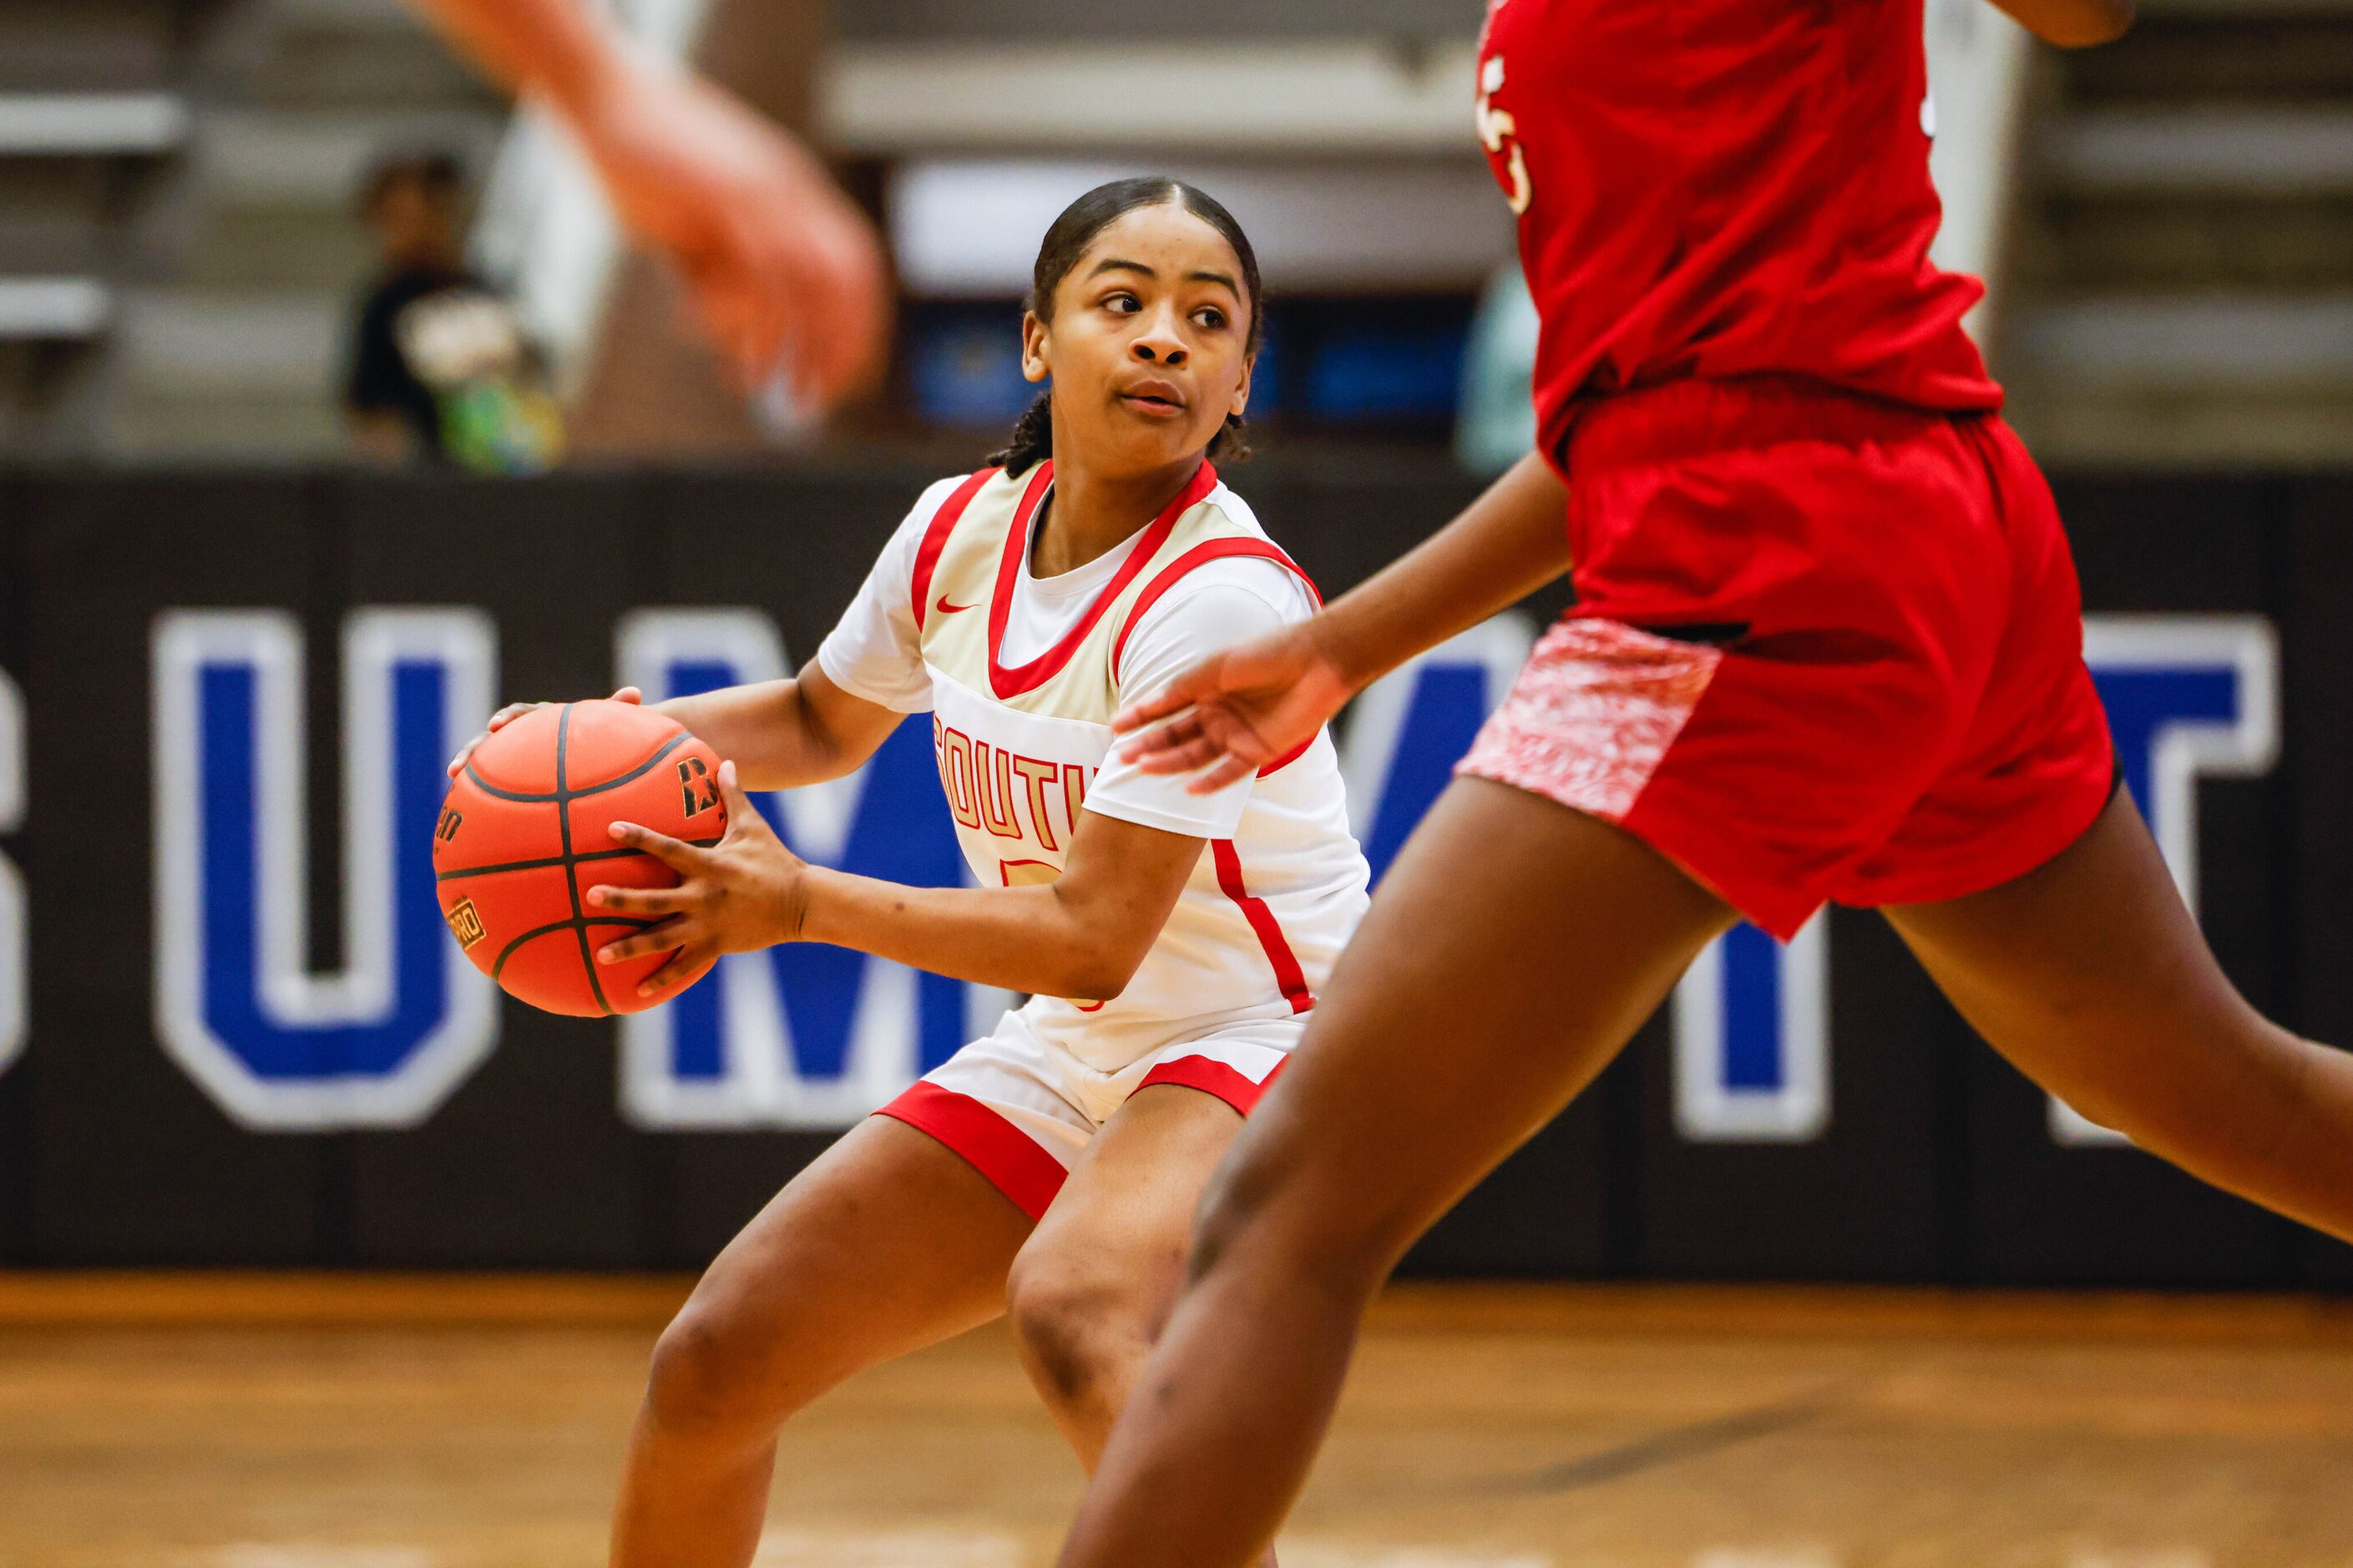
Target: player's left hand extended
x=744, y=892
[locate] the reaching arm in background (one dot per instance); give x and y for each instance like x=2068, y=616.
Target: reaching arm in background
x=1261, y=699
x=786, y=270
x=2071, y=23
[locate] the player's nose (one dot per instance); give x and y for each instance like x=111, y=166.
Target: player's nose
x=1159, y=348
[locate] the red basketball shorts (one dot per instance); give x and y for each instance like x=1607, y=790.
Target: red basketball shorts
x=1824, y=650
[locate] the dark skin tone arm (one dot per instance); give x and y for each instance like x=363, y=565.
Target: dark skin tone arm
x=1261, y=699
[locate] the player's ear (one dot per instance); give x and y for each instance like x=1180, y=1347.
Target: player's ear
x=1035, y=366
x=1240, y=404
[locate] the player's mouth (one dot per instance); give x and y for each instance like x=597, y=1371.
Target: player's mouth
x=1154, y=399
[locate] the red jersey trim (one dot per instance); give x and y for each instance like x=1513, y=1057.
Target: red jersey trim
x=1279, y=956
x=935, y=538
x=1010, y=1159
x=1216, y=1079
x=1008, y=683
x=1200, y=555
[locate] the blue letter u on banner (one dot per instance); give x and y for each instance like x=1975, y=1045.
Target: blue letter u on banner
x=383, y=1040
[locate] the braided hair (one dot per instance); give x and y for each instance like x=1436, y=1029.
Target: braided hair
x=1067, y=241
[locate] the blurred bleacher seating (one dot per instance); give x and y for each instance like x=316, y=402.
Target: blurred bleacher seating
x=176, y=237
x=176, y=245
x=2183, y=286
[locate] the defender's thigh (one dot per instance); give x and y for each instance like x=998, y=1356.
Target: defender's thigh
x=2090, y=975
x=1510, y=953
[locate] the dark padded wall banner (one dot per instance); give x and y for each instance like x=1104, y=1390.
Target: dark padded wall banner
x=2316, y=842
x=16, y=496
x=252, y=1041
x=132, y=1163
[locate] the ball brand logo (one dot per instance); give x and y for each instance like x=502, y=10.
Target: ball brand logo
x=381, y=1041
x=465, y=923
x=447, y=828
x=812, y=1036
x=701, y=794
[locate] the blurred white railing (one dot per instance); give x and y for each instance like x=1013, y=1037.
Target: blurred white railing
x=1976, y=71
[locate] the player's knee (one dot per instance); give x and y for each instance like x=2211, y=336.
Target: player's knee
x=704, y=1382
x=1076, y=1321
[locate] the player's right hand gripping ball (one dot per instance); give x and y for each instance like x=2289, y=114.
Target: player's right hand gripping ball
x=522, y=837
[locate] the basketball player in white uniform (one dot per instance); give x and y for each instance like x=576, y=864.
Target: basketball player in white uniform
x=1172, y=942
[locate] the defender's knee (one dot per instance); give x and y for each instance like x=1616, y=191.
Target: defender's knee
x=1082, y=1330
x=705, y=1381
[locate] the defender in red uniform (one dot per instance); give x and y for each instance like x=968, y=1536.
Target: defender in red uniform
x=1827, y=645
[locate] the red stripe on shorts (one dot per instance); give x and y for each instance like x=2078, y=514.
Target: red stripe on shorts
x=1215, y=1077
x=1010, y=1159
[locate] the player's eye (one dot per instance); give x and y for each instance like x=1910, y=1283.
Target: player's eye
x=1121, y=303
x=1210, y=317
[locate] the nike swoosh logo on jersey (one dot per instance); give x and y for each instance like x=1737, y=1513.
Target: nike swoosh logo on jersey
x=945, y=608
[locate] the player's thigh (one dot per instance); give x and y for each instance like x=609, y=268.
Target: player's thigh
x=1512, y=949
x=889, y=1242
x=1114, y=1240
x=2090, y=974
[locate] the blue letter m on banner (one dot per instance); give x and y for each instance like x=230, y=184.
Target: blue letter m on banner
x=801, y=1034
x=383, y=1041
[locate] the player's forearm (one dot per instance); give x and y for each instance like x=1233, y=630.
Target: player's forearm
x=775, y=737
x=565, y=50
x=2071, y=23
x=1020, y=939
x=1505, y=546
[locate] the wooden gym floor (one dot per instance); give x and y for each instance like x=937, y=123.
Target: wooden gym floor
x=196, y=1422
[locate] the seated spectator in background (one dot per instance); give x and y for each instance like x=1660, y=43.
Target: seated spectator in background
x=440, y=370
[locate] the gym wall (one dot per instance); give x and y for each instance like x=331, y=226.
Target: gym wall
x=209, y=664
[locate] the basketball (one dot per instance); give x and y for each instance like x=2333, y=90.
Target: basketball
x=523, y=835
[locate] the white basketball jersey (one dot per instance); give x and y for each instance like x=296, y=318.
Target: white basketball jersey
x=1266, y=912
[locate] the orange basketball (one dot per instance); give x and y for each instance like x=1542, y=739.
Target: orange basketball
x=524, y=836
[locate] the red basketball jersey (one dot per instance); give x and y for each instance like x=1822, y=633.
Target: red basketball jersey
x=1719, y=188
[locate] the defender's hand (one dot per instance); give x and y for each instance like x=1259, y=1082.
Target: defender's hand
x=786, y=273
x=1238, y=711
x=744, y=892
x=509, y=714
